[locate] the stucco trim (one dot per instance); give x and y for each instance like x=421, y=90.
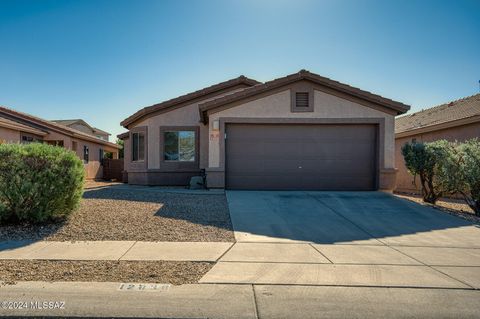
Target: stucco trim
x=438, y=127
x=379, y=122
x=175, y=166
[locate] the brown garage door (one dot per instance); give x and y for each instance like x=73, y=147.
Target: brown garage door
x=317, y=157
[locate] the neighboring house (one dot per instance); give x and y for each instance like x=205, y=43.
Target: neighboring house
x=302, y=131
x=17, y=127
x=454, y=121
x=81, y=125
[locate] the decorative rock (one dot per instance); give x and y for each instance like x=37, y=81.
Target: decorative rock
x=196, y=182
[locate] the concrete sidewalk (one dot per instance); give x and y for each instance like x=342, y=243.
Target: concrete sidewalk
x=83, y=299
x=282, y=263
x=114, y=250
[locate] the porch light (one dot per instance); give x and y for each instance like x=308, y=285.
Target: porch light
x=215, y=125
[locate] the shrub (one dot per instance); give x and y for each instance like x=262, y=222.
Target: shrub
x=427, y=161
x=38, y=182
x=462, y=172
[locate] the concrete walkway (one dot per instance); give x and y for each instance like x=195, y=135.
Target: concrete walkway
x=114, y=250
x=283, y=263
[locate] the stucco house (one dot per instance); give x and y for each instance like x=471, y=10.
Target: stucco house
x=301, y=131
x=453, y=121
x=18, y=127
x=81, y=125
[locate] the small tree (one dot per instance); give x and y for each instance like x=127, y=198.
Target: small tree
x=122, y=144
x=427, y=160
x=462, y=173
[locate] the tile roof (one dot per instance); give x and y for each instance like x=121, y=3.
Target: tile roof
x=188, y=97
x=66, y=122
x=73, y=121
x=5, y=122
x=39, y=123
x=448, y=112
x=302, y=75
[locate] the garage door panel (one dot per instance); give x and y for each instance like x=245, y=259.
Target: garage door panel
x=340, y=157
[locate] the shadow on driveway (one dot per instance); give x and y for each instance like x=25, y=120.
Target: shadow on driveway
x=344, y=217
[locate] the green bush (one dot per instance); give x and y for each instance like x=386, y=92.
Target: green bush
x=462, y=172
x=427, y=160
x=38, y=182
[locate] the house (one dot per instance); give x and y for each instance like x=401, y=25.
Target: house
x=18, y=127
x=454, y=121
x=301, y=131
x=81, y=125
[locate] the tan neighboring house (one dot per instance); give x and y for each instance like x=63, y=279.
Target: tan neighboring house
x=454, y=121
x=301, y=131
x=17, y=127
x=81, y=125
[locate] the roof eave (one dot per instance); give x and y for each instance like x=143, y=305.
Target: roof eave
x=398, y=107
x=188, y=97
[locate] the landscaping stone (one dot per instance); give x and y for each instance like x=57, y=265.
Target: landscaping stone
x=175, y=273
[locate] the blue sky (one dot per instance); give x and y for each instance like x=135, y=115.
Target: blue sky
x=104, y=60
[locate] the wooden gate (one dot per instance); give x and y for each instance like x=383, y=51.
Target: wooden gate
x=113, y=169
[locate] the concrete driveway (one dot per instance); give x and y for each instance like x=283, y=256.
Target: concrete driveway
x=367, y=239
x=372, y=218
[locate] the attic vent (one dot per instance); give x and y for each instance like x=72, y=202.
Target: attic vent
x=301, y=99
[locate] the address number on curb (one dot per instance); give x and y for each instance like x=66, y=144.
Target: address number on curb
x=144, y=287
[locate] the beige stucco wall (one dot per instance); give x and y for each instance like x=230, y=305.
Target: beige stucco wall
x=9, y=136
x=93, y=169
x=458, y=133
x=325, y=106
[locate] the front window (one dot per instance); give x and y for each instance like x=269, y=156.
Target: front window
x=28, y=138
x=138, y=147
x=179, y=146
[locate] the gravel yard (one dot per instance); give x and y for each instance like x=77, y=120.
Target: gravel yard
x=175, y=273
x=451, y=206
x=136, y=214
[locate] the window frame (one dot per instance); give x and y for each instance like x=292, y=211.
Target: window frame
x=138, y=160
x=175, y=165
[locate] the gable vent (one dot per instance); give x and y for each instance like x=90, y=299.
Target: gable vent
x=301, y=99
